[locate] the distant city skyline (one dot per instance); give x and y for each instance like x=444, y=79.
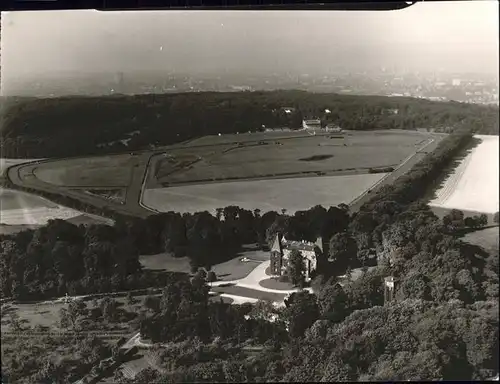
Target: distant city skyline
x=454, y=36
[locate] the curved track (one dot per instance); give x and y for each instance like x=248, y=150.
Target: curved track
x=23, y=175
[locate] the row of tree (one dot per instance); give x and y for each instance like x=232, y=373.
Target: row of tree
x=76, y=126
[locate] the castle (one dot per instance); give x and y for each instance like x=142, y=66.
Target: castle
x=280, y=254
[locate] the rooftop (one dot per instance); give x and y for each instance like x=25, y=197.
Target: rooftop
x=299, y=245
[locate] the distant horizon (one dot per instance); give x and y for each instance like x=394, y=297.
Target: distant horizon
x=456, y=36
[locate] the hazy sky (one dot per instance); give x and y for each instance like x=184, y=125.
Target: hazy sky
x=459, y=36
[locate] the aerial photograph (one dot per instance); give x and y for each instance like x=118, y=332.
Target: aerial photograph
x=194, y=196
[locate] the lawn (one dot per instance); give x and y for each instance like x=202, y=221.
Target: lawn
x=291, y=194
x=166, y=262
x=474, y=184
x=104, y=171
x=273, y=283
x=233, y=269
x=281, y=156
x=46, y=314
x=10, y=199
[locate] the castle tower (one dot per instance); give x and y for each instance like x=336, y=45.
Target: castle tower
x=389, y=290
x=276, y=255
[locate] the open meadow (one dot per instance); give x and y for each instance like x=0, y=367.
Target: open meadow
x=474, y=184
x=287, y=155
x=267, y=195
x=104, y=171
x=487, y=238
x=10, y=199
x=233, y=269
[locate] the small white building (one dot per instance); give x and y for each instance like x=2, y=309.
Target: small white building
x=311, y=124
x=333, y=128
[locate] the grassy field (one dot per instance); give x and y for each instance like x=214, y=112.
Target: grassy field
x=291, y=194
x=10, y=199
x=487, y=238
x=105, y=171
x=31, y=315
x=284, y=154
x=19, y=209
x=273, y=283
x=233, y=269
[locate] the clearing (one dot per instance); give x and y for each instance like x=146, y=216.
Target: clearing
x=474, y=184
x=267, y=195
x=486, y=238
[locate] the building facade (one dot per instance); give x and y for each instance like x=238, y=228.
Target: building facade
x=311, y=124
x=333, y=128
x=282, y=248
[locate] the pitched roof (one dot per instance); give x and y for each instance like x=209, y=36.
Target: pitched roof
x=276, y=244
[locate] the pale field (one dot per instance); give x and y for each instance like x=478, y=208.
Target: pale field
x=36, y=216
x=474, y=184
x=20, y=208
x=10, y=199
x=292, y=194
x=361, y=151
x=105, y=171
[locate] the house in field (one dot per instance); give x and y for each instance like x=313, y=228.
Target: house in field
x=282, y=248
x=311, y=124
